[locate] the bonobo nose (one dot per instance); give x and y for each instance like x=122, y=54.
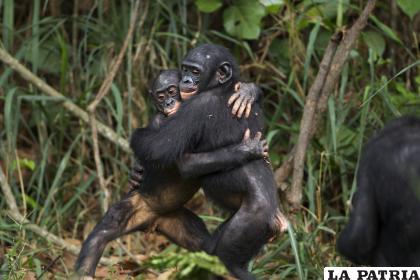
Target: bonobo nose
x=170, y=102
x=187, y=80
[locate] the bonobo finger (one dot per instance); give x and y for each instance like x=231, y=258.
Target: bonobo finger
x=247, y=134
x=137, y=176
x=248, y=110
x=258, y=135
x=233, y=97
x=133, y=184
x=237, y=86
x=242, y=108
x=265, y=154
x=138, y=169
x=236, y=105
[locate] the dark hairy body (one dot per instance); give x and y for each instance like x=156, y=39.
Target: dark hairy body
x=384, y=225
x=203, y=123
x=156, y=201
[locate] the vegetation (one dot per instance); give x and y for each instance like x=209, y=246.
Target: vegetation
x=47, y=152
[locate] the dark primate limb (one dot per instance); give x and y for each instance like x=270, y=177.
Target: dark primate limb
x=136, y=175
x=118, y=220
x=132, y=213
x=198, y=164
x=243, y=98
x=358, y=240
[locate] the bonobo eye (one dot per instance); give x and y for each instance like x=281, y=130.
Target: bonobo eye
x=172, y=91
x=196, y=71
x=184, y=69
x=161, y=97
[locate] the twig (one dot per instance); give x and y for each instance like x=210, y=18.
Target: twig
x=284, y=170
x=15, y=214
x=103, y=90
x=294, y=196
x=7, y=191
x=331, y=65
x=104, y=130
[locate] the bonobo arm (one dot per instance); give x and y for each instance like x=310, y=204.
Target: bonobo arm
x=198, y=164
x=136, y=172
x=156, y=121
x=177, y=135
x=358, y=240
x=246, y=94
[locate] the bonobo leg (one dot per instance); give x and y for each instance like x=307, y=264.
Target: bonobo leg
x=358, y=240
x=243, y=236
x=129, y=214
x=184, y=228
x=132, y=213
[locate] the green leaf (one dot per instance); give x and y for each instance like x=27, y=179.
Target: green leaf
x=272, y=6
x=388, y=31
x=375, y=42
x=208, y=6
x=409, y=7
x=243, y=19
x=324, y=9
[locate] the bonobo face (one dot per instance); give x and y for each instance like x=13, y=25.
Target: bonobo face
x=190, y=79
x=165, y=92
x=205, y=67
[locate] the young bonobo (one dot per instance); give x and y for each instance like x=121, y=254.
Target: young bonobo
x=156, y=204
x=204, y=123
x=384, y=225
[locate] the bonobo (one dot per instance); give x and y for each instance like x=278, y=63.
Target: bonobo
x=157, y=202
x=204, y=123
x=384, y=225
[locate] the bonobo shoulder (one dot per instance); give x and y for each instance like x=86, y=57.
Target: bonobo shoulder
x=201, y=103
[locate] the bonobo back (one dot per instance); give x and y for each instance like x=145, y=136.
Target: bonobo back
x=384, y=226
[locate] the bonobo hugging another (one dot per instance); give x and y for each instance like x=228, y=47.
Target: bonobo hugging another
x=197, y=143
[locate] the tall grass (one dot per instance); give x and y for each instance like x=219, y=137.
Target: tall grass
x=47, y=152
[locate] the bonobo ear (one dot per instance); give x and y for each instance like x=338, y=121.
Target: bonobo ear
x=224, y=73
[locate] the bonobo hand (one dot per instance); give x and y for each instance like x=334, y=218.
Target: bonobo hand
x=243, y=98
x=256, y=147
x=136, y=175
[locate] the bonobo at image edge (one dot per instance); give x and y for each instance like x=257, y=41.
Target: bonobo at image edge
x=384, y=225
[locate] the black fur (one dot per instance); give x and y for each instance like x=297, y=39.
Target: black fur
x=156, y=202
x=204, y=123
x=384, y=226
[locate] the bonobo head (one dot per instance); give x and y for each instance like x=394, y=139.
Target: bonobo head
x=165, y=91
x=205, y=67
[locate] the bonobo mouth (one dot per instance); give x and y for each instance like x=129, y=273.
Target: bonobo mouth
x=187, y=92
x=173, y=110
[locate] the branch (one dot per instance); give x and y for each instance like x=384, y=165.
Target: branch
x=295, y=194
x=106, y=131
x=103, y=90
x=331, y=65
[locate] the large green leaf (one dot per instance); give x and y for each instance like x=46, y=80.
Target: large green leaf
x=410, y=7
x=326, y=9
x=375, y=41
x=243, y=19
x=208, y=6
x=272, y=6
